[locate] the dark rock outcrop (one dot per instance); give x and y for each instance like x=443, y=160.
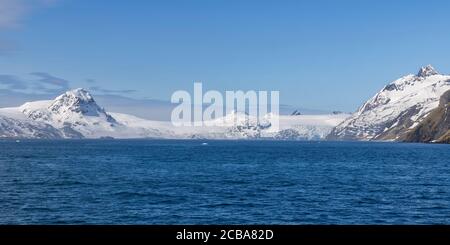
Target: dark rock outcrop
x=435, y=127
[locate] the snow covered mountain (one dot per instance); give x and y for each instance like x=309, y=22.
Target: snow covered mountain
x=75, y=114
x=396, y=109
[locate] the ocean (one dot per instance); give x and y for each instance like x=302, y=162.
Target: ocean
x=223, y=182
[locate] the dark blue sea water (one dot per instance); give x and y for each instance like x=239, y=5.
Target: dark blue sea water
x=223, y=182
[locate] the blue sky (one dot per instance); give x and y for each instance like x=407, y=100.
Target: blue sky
x=330, y=55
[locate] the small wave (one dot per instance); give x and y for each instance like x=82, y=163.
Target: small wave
x=35, y=209
x=131, y=194
x=66, y=183
x=218, y=205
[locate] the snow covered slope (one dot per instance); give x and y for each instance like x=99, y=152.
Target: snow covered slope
x=75, y=114
x=13, y=128
x=308, y=127
x=398, y=107
x=237, y=125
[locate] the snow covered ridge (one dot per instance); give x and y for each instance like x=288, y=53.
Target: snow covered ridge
x=75, y=114
x=396, y=109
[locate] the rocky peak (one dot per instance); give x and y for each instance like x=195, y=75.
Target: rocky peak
x=426, y=71
x=78, y=100
x=296, y=113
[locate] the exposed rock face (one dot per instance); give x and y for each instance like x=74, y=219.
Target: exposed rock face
x=435, y=127
x=296, y=113
x=427, y=71
x=290, y=134
x=396, y=109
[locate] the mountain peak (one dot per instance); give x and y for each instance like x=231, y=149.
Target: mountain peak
x=426, y=71
x=80, y=93
x=77, y=100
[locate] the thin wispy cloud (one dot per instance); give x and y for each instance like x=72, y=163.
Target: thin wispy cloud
x=56, y=84
x=105, y=91
x=13, y=82
x=46, y=83
x=12, y=13
x=90, y=81
x=12, y=16
x=7, y=47
x=111, y=91
x=39, y=82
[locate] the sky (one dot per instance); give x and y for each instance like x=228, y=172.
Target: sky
x=326, y=55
